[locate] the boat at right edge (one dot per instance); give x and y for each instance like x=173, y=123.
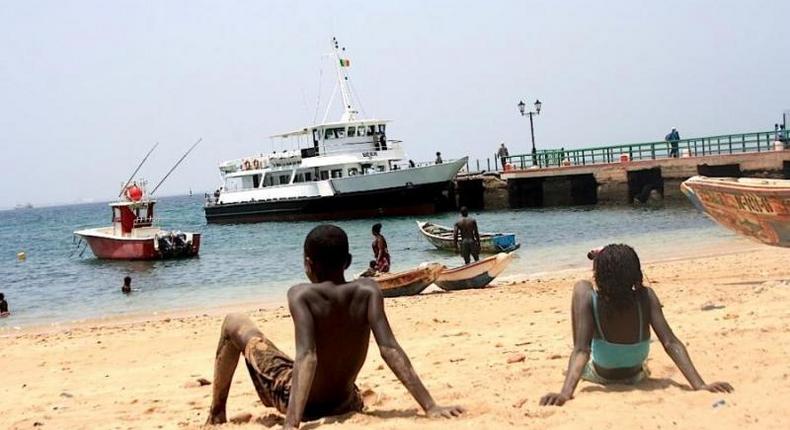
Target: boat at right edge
x=756, y=208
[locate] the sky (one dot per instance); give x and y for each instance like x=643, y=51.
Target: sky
x=87, y=87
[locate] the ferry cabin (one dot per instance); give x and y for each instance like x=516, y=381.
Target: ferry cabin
x=329, y=151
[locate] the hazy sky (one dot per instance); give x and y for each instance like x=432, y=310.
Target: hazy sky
x=86, y=87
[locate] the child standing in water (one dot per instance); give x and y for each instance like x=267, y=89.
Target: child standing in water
x=611, y=324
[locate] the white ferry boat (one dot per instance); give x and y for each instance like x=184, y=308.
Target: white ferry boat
x=338, y=170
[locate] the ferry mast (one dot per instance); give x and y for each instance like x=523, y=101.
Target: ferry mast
x=341, y=65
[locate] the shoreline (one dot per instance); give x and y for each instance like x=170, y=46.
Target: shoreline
x=269, y=303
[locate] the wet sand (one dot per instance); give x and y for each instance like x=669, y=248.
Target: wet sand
x=494, y=351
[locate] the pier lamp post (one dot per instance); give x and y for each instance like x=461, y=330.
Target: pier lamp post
x=522, y=107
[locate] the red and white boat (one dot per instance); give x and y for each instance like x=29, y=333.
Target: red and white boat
x=132, y=235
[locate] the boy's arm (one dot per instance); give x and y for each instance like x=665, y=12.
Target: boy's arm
x=583, y=326
x=477, y=233
x=455, y=236
x=306, y=359
x=676, y=350
x=397, y=360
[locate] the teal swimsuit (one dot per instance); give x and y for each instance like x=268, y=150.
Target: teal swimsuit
x=609, y=355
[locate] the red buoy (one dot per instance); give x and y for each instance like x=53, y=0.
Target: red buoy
x=134, y=193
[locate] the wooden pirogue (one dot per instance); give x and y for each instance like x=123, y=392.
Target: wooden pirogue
x=490, y=243
x=756, y=208
x=410, y=282
x=475, y=275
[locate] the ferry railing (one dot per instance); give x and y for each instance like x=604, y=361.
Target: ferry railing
x=694, y=147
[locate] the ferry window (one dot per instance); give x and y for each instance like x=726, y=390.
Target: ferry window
x=256, y=181
x=352, y=171
x=382, y=127
x=246, y=182
x=337, y=173
x=340, y=133
x=284, y=179
x=381, y=168
x=233, y=184
x=324, y=175
x=328, y=134
x=371, y=130
x=268, y=181
x=352, y=131
x=299, y=178
x=308, y=176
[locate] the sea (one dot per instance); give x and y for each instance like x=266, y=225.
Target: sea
x=58, y=284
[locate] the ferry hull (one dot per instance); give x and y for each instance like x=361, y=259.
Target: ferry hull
x=422, y=199
x=134, y=249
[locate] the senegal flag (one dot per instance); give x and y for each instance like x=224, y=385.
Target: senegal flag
x=345, y=62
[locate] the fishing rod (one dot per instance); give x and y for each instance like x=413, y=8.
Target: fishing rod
x=176, y=165
x=137, y=170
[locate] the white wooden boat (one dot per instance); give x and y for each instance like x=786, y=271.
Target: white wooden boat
x=474, y=275
x=490, y=243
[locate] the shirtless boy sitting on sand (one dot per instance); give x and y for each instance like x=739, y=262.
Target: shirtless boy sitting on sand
x=332, y=323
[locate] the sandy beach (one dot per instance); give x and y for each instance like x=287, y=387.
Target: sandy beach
x=494, y=351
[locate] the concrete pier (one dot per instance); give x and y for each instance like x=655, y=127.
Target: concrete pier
x=621, y=183
x=616, y=183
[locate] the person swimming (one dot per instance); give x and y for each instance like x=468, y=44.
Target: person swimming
x=127, y=285
x=333, y=320
x=611, y=322
x=3, y=306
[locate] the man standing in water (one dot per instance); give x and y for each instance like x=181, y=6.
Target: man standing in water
x=333, y=320
x=466, y=227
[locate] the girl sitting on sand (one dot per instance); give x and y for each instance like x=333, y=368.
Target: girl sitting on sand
x=612, y=321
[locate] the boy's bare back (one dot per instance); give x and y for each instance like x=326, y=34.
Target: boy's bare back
x=341, y=332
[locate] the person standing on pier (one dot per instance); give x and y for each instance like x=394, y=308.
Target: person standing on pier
x=673, y=137
x=466, y=228
x=380, y=251
x=503, y=154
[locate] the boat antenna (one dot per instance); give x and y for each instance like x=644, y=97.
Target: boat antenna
x=176, y=165
x=342, y=64
x=137, y=169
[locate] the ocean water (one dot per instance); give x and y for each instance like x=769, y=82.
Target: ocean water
x=250, y=262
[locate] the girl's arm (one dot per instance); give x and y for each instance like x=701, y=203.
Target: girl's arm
x=583, y=326
x=676, y=350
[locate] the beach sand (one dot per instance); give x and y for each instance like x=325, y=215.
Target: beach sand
x=142, y=374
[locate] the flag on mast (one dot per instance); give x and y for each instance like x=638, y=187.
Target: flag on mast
x=345, y=62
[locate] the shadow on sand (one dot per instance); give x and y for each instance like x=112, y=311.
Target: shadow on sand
x=649, y=384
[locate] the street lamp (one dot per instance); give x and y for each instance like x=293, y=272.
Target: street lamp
x=522, y=107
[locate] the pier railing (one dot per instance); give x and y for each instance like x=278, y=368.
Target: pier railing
x=694, y=147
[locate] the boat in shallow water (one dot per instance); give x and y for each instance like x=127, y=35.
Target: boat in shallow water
x=474, y=275
x=133, y=236
x=490, y=243
x=410, y=282
x=756, y=208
